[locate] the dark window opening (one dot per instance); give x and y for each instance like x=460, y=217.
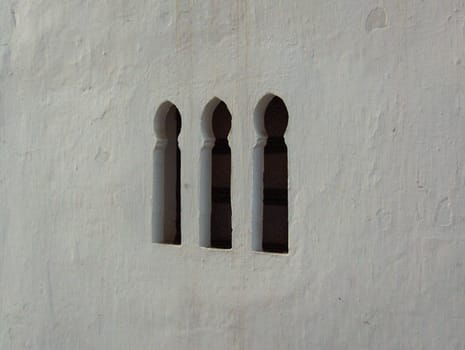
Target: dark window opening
x=172, y=201
x=275, y=199
x=177, y=237
x=220, y=219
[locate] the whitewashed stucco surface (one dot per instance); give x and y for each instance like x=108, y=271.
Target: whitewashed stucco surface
x=376, y=137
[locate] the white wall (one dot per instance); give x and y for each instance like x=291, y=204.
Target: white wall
x=376, y=140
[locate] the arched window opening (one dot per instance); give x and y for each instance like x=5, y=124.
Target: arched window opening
x=275, y=208
x=215, y=177
x=220, y=219
x=270, y=208
x=166, y=220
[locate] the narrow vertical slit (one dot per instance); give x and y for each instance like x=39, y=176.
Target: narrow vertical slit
x=220, y=218
x=166, y=214
x=177, y=237
x=275, y=179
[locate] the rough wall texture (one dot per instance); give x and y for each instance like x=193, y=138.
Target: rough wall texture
x=376, y=138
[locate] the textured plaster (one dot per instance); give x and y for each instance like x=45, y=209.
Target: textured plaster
x=376, y=141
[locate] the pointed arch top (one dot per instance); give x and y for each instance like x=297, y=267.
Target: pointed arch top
x=159, y=125
x=259, y=115
x=207, y=115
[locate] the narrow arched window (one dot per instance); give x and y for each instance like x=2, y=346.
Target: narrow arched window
x=215, y=201
x=166, y=216
x=271, y=177
x=220, y=220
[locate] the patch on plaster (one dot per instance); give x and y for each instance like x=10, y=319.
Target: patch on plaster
x=376, y=19
x=383, y=220
x=374, y=176
x=443, y=215
x=102, y=156
x=13, y=16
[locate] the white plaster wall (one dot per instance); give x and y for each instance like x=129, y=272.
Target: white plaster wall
x=376, y=138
